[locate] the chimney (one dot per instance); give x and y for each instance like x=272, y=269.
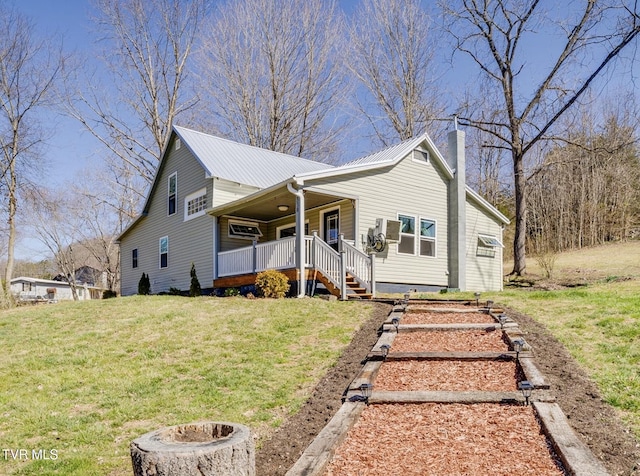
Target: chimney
x=457, y=212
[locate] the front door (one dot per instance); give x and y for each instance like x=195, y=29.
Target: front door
x=332, y=228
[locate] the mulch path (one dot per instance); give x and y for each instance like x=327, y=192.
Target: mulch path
x=445, y=439
x=447, y=375
x=447, y=318
x=595, y=422
x=450, y=341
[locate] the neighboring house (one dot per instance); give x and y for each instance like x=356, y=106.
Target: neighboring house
x=35, y=289
x=233, y=210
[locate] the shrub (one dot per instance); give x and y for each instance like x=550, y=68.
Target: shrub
x=195, y=289
x=174, y=292
x=272, y=284
x=109, y=294
x=231, y=292
x=144, y=285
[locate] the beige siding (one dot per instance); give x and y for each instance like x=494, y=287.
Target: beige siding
x=412, y=188
x=225, y=191
x=484, y=273
x=189, y=241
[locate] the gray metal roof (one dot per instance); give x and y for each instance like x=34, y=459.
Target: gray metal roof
x=243, y=163
x=390, y=154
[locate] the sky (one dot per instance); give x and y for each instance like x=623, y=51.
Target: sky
x=71, y=149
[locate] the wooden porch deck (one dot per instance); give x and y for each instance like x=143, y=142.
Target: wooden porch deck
x=357, y=292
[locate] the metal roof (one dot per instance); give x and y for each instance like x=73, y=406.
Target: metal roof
x=243, y=163
x=390, y=154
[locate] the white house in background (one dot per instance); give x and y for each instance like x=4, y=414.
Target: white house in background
x=402, y=218
x=36, y=290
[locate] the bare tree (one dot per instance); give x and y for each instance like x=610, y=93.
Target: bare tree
x=498, y=34
x=393, y=48
x=29, y=69
x=272, y=71
x=57, y=225
x=147, y=44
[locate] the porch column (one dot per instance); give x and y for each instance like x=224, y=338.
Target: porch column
x=300, y=240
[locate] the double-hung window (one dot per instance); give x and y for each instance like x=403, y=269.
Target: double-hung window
x=407, y=243
x=427, y=237
x=172, y=192
x=164, y=252
x=420, y=240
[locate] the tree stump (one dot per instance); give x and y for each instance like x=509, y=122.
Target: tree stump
x=199, y=449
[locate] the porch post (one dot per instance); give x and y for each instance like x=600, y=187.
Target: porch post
x=372, y=258
x=300, y=241
x=300, y=245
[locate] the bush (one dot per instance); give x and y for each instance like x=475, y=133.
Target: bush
x=109, y=294
x=231, y=292
x=195, y=289
x=272, y=284
x=144, y=285
x=174, y=292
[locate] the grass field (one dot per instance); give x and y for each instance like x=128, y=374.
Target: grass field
x=80, y=381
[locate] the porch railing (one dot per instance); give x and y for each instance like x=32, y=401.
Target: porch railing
x=258, y=257
x=280, y=254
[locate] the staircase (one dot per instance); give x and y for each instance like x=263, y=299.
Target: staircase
x=354, y=289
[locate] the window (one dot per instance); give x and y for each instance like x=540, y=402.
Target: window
x=487, y=245
x=134, y=258
x=172, y=192
x=421, y=155
x=407, y=243
x=27, y=287
x=195, y=204
x=244, y=230
x=164, y=252
x=178, y=143
x=290, y=230
x=427, y=237
x=414, y=240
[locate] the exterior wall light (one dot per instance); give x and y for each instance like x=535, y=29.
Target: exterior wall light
x=526, y=388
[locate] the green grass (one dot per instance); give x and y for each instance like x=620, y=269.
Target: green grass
x=85, y=379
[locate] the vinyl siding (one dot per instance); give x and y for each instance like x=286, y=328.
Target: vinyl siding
x=269, y=229
x=411, y=188
x=226, y=191
x=484, y=273
x=189, y=241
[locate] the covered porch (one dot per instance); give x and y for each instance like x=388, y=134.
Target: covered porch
x=308, y=234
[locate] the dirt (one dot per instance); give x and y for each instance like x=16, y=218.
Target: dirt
x=595, y=422
x=450, y=341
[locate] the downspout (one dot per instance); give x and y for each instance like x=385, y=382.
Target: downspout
x=300, y=238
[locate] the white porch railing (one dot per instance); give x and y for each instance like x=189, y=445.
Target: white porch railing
x=258, y=257
x=280, y=254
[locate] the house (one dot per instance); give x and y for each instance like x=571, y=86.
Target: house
x=49, y=290
x=402, y=218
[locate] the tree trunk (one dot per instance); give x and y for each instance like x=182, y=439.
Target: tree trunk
x=519, y=241
x=197, y=449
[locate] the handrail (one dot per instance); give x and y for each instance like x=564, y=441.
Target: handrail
x=358, y=264
x=280, y=254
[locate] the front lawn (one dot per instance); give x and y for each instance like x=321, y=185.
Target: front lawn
x=82, y=380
